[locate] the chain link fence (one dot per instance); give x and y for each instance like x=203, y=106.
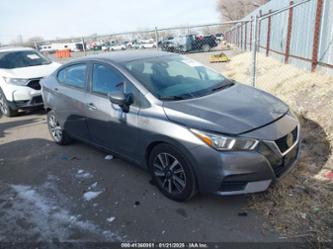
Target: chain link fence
x=298, y=32
x=187, y=39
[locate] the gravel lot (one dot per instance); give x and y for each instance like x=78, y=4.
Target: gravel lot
x=71, y=193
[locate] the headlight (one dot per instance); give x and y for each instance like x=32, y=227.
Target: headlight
x=14, y=81
x=225, y=143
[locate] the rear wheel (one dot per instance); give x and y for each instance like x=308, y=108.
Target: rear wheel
x=5, y=109
x=171, y=173
x=57, y=132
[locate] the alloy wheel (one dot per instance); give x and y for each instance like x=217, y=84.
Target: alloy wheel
x=55, y=128
x=3, y=104
x=169, y=172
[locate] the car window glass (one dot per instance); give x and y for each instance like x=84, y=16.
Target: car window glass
x=74, y=75
x=175, y=76
x=17, y=59
x=177, y=68
x=105, y=80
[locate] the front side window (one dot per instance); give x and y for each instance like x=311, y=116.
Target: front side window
x=176, y=77
x=74, y=75
x=17, y=59
x=105, y=80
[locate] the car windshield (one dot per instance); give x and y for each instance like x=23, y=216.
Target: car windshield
x=176, y=77
x=16, y=59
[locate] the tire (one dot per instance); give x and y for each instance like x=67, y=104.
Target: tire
x=5, y=108
x=57, y=133
x=182, y=49
x=205, y=48
x=171, y=173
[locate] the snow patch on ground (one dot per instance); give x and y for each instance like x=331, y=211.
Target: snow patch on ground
x=110, y=219
x=43, y=214
x=93, y=186
x=109, y=157
x=88, y=196
x=83, y=174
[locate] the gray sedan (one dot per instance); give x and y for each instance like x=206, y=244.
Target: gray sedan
x=193, y=129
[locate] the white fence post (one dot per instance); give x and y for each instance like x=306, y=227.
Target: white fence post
x=254, y=52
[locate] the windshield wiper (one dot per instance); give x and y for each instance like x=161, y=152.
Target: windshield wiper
x=172, y=98
x=220, y=87
x=179, y=97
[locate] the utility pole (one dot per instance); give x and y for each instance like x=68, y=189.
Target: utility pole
x=156, y=38
x=83, y=46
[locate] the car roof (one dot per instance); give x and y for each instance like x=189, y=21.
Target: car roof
x=13, y=49
x=126, y=56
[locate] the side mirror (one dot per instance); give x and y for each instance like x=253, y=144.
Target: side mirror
x=121, y=99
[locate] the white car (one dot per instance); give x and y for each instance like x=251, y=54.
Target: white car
x=148, y=44
x=105, y=48
x=20, y=72
x=116, y=47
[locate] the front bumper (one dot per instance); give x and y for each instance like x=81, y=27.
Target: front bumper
x=34, y=102
x=232, y=173
x=240, y=184
x=24, y=97
x=242, y=172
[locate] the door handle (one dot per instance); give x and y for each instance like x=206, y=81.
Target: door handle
x=92, y=107
x=56, y=89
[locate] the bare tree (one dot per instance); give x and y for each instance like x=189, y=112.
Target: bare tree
x=236, y=9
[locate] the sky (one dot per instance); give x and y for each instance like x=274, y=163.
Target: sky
x=73, y=18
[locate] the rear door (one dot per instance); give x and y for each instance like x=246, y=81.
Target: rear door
x=71, y=94
x=109, y=126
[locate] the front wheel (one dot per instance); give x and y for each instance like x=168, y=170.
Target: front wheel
x=5, y=109
x=171, y=173
x=57, y=132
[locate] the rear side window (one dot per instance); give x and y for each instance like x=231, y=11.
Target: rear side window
x=74, y=75
x=105, y=80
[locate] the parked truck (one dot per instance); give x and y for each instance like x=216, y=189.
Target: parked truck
x=190, y=43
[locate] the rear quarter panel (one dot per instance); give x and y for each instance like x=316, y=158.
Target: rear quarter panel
x=48, y=84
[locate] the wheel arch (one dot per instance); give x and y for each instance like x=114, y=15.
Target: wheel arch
x=176, y=145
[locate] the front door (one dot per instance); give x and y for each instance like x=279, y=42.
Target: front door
x=108, y=125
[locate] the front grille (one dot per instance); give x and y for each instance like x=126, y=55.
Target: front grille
x=287, y=161
x=284, y=143
x=34, y=84
x=279, y=163
x=37, y=100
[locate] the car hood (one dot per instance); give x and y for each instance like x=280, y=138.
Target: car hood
x=234, y=110
x=30, y=72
